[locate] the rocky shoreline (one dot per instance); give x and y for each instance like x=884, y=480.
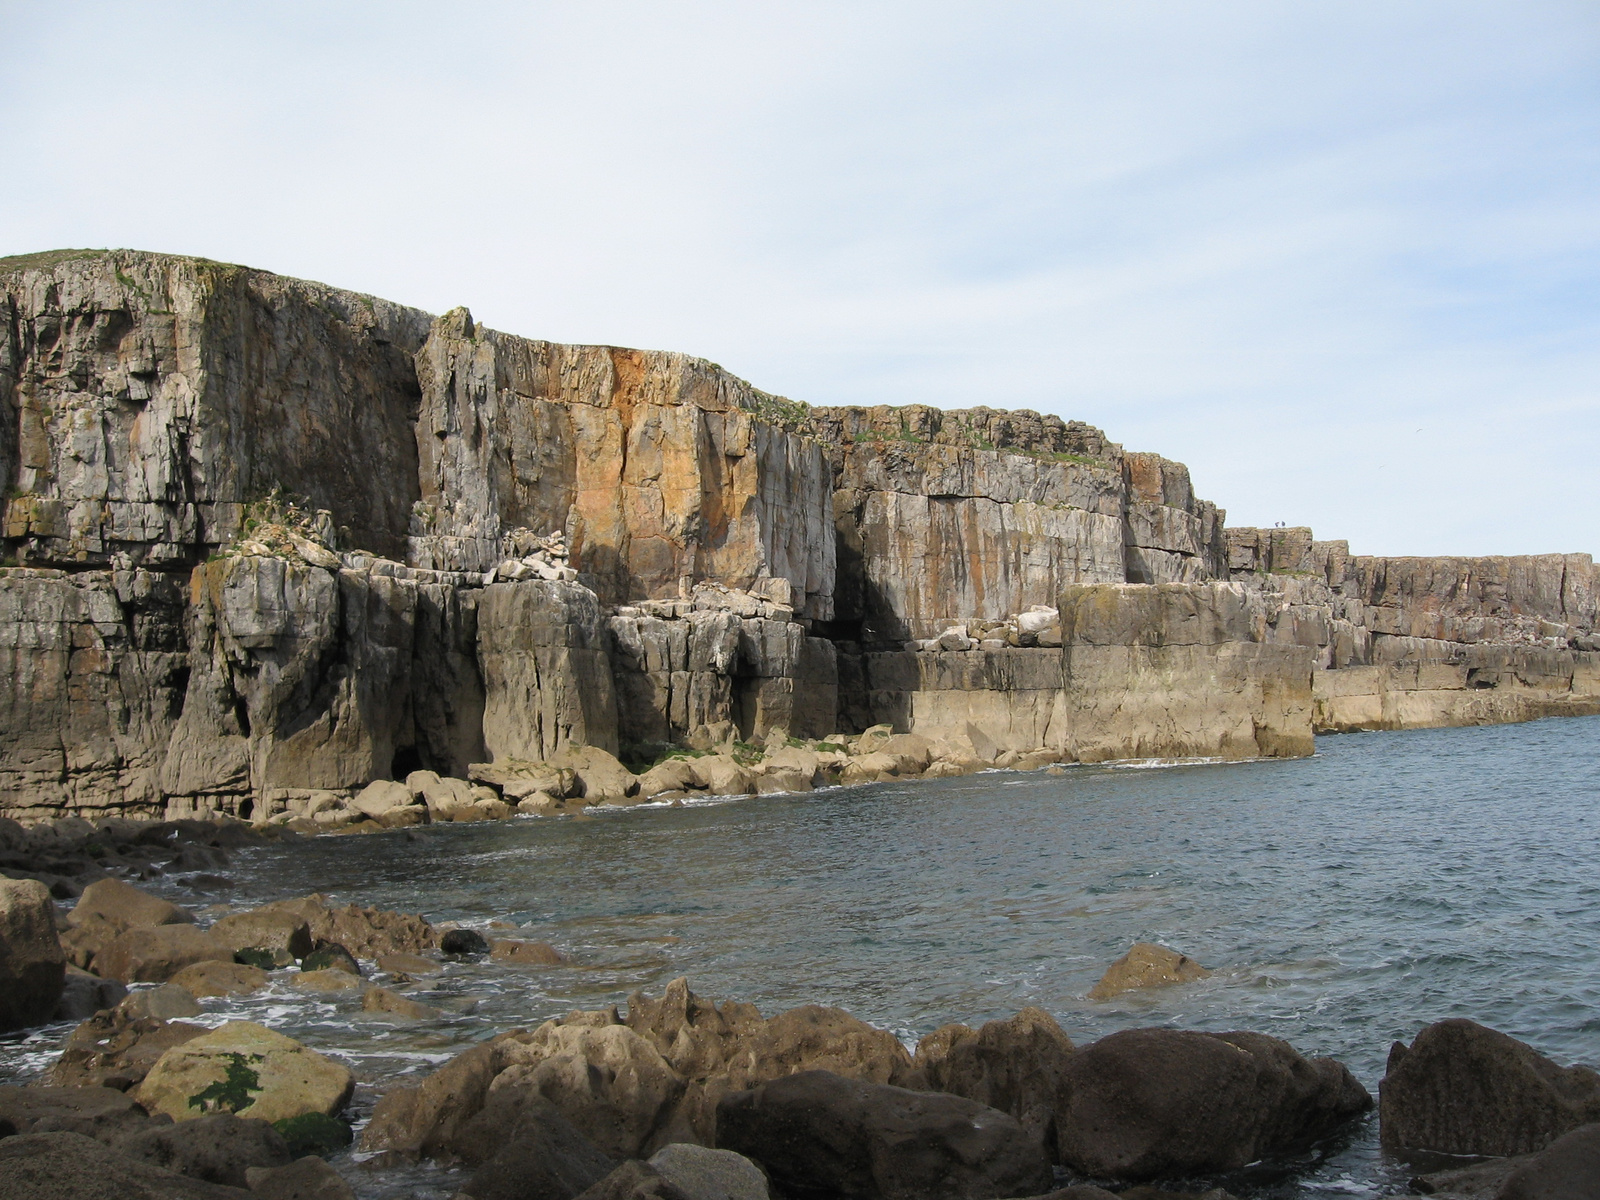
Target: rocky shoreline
x=679, y=1096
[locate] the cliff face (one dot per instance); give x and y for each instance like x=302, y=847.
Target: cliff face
x=267, y=538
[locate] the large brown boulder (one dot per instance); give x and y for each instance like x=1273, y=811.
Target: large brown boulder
x=612, y=1084
x=115, y=1049
x=285, y=935
x=1462, y=1088
x=218, y=1148
x=817, y=1038
x=1016, y=1065
x=819, y=1135
x=125, y=907
x=365, y=932
x=156, y=954
x=33, y=967
x=424, y=1118
x=70, y=1166
x=1146, y=1103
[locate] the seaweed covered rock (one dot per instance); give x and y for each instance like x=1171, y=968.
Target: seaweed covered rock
x=246, y=1069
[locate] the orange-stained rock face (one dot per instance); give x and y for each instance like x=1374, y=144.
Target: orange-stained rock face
x=659, y=467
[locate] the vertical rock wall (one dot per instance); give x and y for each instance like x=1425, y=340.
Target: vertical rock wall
x=658, y=467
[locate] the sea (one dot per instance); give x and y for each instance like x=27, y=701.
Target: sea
x=1343, y=902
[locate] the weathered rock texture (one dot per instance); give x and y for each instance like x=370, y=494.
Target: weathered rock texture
x=267, y=541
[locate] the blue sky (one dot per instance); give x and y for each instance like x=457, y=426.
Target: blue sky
x=1340, y=258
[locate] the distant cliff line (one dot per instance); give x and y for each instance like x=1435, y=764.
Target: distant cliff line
x=464, y=525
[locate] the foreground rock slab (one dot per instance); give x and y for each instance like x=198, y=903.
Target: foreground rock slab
x=1462, y=1088
x=247, y=1069
x=70, y=1166
x=1148, y=1103
x=819, y=1134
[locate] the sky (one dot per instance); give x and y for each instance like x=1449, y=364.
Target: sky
x=1338, y=256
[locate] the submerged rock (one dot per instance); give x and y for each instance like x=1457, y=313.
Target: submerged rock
x=1146, y=966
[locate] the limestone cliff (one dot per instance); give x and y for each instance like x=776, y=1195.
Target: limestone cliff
x=265, y=539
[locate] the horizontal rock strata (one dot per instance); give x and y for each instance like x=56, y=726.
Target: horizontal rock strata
x=267, y=542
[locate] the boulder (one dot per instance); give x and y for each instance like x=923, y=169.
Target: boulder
x=98, y=1112
x=672, y=775
x=869, y=768
x=168, y=1002
x=913, y=751
x=464, y=941
x=814, y=1037
x=156, y=954
x=218, y=1148
x=536, y=954
x=600, y=777
x=1016, y=1065
x=1147, y=1103
x=246, y=1069
x=1567, y=1169
x=112, y=1050
x=381, y=796
x=330, y=956
x=442, y=795
x=487, y=808
x=125, y=907
x=70, y=1166
x=214, y=978
x=33, y=966
x=399, y=818
x=795, y=758
x=817, y=1134
x=425, y=1117
x=308, y=1178
x=721, y=775
x=366, y=932
x=1144, y=966
x=329, y=979
x=1462, y=1088
x=611, y=1083
x=523, y=1149
x=266, y=929
x=83, y=995
x=781, y=781
x=381, y=1000
x=701, y=1173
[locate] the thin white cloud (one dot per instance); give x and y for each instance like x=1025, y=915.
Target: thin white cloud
x=1338, y=257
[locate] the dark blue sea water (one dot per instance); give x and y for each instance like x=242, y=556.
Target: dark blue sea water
x=1344, y=900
